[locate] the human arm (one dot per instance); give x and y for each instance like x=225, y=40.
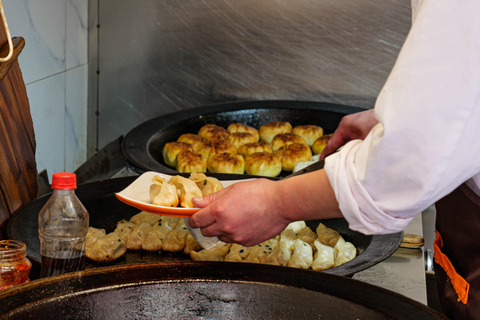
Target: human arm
x=253, y=211
x=351, y=127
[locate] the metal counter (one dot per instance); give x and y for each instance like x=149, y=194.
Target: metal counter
x=403, y=272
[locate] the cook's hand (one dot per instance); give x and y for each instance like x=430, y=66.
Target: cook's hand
x=351, y=127
x=244, y=213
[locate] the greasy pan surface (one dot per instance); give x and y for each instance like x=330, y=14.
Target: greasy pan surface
x=106, y=210
x=210, y=290
x=143, y=145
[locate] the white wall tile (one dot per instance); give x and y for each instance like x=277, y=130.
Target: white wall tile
x=42, y=25
x=77, y=33
x=47, y=106
x=76, y=118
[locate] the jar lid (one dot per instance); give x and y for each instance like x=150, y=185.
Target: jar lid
x=64, y=180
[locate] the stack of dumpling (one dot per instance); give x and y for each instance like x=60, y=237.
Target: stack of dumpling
x=297, y=246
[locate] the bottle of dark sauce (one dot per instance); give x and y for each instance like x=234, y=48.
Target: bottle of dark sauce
x=62, y=228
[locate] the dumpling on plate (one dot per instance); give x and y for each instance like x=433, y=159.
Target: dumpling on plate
x=163, y=192
x=187, y=189
x=302, y=256
x=324, y=257
x=206, y=184
x=215, y=254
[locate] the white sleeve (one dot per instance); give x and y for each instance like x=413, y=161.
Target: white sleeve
x=428, y=139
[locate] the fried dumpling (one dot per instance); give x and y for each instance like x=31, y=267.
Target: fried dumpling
x=226, y=163
x=187, y=189
x=270, y=130
x=293, y=154
x=302, y=256
x=309, y=133
x=195, y=140
x=263, y=164
x=307, y=235
x=215, y=254
x=238, y=139
x=284, y=140
x=324, y=257
x=222, y=146
x=213, y=132
x=320, y=143
x=190, y=161
x=260, y=252
x=206, y=184
x=163, y=192
x=107, y=248
x=250, y=148
x=176, y=239
x=344, y=252
x=172, y=149
x=240, y=127
x=327, y=236
x=237, y=253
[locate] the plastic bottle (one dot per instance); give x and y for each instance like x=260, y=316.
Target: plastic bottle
x=62, y=228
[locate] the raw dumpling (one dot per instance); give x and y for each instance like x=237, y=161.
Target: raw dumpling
x=107, y=248
x=302, y=256
x=93, y=234
x=147, y=217
x=216, y=254
x=138, y=234
x=206, y=184
x=176, y=239
x=324, y=257
x=159, y=232
x=344, y=252
x=187, y=189
x=191, y=244
x=280, y=256
x=237, y=253
x=327, y=236
x=124, y=228
x=163, y=192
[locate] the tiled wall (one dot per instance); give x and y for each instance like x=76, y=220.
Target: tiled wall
x=54, y=64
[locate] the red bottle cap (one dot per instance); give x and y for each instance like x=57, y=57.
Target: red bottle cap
x=64, y=180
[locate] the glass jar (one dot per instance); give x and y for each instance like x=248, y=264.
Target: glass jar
x=14, y=264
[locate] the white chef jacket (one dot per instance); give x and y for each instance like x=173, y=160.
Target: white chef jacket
x=428, y=140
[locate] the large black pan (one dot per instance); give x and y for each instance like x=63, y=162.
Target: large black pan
x=205, y=291
x=143, y=145
x=106, y=210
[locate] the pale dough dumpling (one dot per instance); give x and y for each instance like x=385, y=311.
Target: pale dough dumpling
x=138, y=234
x=302, y=256
x=324, y=257
x=280, y=256
x=238, y=253
x=216, y=254
x=176, y=239
x=107, y=248
x=260, y=252
x=327, y=236
x=187, y=189
x=93, y=234
x=124, y=228
x=344, y=252
x=163, y=192
x=147, y=217
x=191, y=244
x=159, y=232
x=206, y=184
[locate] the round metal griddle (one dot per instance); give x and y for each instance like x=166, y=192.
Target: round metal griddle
x=210, y=290
x=106, y=210
x=143, y=145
